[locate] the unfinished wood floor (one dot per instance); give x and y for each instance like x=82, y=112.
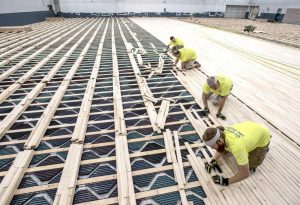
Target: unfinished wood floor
x=258, y=89
x=287, y=34
x=92, y=113
x=266, y=76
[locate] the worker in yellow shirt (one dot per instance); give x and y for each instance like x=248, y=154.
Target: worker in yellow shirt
x=187, y=57
x=247, y=141
x=220, y=86
x=176, y=44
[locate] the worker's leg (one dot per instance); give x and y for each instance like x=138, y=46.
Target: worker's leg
x=216, y=100
x=257, y=156
x=197, y=64
x=191, y=64
x=173, y=49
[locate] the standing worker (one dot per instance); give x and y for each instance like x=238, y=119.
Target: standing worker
x=187, y=57
x=176, y=44
x=220, y=86
x=247, y=141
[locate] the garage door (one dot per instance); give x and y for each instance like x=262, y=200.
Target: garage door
x=234, y=11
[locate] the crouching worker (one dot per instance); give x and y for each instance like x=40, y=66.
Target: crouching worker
x=247, y=141
x=221, y=86
x=175, y=44
x=187, y=57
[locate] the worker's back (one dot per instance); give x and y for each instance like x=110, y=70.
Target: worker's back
x=242, y=138
x=187, y=54
x=178, y=42
x=224, y=89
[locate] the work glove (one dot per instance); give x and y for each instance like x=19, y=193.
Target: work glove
x=220, y=180
x=211, y=165
x=206, y=111
x=219, y=115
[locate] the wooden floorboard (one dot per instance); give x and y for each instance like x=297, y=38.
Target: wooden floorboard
x=251, y=101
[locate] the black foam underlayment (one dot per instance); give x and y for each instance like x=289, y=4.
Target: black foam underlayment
x=165, y=85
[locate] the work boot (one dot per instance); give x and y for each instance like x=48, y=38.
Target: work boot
x=252, y=170
x=197, y=64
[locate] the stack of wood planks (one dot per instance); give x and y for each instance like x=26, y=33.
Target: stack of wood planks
x=9, y=29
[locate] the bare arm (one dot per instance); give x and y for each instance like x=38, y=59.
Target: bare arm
x=242, y=174
x=221, y=104
x=217, y=156
x=176, y=61
x=183, y=65
x=204, y=99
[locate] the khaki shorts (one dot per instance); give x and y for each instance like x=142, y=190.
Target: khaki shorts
x=257, y=156
x=189, y=64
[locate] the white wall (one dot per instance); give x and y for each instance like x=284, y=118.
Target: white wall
x=15, y=6
x=89, y=6
x=98, y=6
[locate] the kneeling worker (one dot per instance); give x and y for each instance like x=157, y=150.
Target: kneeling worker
x=187, y=57
x=176, y=44
x=220, y=86
x=247, y=141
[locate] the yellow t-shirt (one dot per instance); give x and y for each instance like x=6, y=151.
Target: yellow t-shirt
x=242, y=138
x=178, y=42
x=223, y=90
x=187, y=54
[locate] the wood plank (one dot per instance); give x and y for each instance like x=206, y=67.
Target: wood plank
x=39, y=130
x=162, y=114
x=82, y=120
x=55, y=19
x=160, y=66
x=141, y=48
x=171, y=145
x=15, y=28
x=66, y=188
x=199, y=165
x=14, y=176
x=100, y=160
x=140, y=60
x=13, y=45
x=212, y=199
x=97, y=179
x=141, y=83
x=9, y=120
x=167, y=147
x=57, y=37
x=178, y=155
x=126, y=193
x=146, y=194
